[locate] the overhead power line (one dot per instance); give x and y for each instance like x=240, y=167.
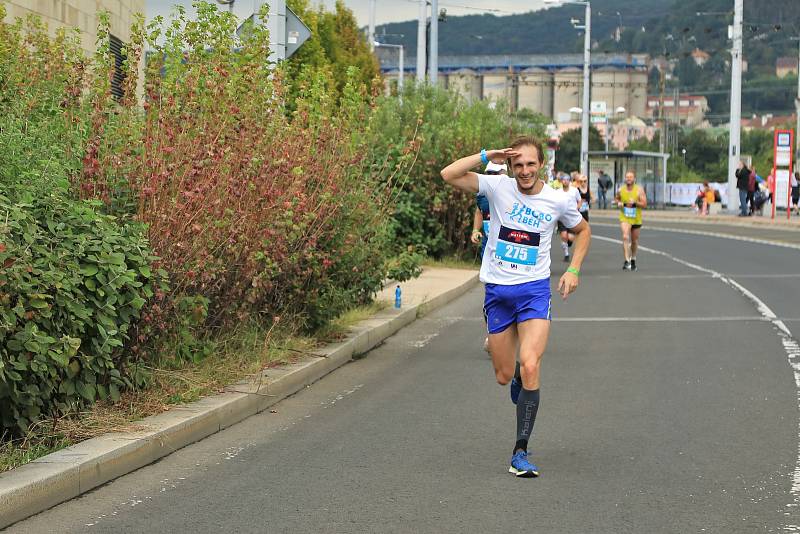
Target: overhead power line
x=462, y=6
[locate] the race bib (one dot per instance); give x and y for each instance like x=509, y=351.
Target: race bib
x=630, y=213
x=517, y=246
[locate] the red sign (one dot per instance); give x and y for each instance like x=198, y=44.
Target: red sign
x=782, y=156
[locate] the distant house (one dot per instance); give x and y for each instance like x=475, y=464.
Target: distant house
x=785, y=66
x=700, y=57
x=691, y=110
x=767, y=121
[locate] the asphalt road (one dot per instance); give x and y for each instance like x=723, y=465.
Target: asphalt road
x=668, y=405
x=743, y=229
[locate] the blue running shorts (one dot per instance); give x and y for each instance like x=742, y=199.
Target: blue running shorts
x=507, y=305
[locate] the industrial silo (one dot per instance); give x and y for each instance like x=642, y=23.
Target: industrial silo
x=535, y=91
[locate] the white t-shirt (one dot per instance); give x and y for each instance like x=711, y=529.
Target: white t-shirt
x=574, y=195
x=520, y=230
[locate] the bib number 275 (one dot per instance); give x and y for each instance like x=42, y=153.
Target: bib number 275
x=516, y=253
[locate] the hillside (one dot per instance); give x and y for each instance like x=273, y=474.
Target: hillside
x=670, y=28
x=536, y=32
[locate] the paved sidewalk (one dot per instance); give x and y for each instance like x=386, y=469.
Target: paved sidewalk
x=67, y=473
x=752, y=229
x=687, y=215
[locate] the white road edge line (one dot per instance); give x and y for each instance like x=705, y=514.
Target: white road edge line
x=790, y=345
x=655, y=319
x=711, y=234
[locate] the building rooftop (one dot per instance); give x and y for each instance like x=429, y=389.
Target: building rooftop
x=389, y=61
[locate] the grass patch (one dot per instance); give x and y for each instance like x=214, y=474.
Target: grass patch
x=337, y=329
x=237, y=355
x=454, y=262
x=19, y=452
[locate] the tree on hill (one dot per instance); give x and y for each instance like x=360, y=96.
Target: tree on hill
x=336, y=44
x=568, y=155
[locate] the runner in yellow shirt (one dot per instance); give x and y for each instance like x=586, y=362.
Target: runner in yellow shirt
x=631, y=200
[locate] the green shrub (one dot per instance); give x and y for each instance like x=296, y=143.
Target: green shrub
x=442, y=127
x=71, y=285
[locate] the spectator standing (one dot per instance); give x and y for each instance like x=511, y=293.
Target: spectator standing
x=752, y=187
x=795, y=183
x=603, y=185
x=742, y=179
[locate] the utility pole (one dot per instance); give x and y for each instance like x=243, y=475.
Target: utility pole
x=734, y=153
x=433, y=69
x=677, y=103
x=372, y=24
x=421, y=38
x=587, y=90
x=662, y=139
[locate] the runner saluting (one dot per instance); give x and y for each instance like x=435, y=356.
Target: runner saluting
x=516, y=271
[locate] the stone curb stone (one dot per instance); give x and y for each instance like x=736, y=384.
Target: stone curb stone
x=66, y=474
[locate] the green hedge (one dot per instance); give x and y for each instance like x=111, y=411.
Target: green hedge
x=428, y=214
x=71, y=284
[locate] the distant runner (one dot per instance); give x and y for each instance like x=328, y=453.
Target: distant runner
x=516, y=271
x=574, y=196
x=630, y=200
x=586, y=196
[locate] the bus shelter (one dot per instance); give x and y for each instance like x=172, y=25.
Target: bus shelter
x=650, y=169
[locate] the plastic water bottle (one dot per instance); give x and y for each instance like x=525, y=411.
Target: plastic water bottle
x=397, y=297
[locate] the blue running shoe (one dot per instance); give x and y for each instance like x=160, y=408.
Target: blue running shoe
x=516, y=387
x=521, y=467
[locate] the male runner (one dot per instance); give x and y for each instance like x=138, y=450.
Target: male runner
x=631, y=200
x=516, y=271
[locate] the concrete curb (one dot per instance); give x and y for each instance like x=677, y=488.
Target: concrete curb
x=68, y=473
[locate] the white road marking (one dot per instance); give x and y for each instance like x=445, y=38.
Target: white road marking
x=790, y=345
x=699, y=276
x=759, y=241
x=654, y=319
x=424, y=340
x=657, y=276
x=788, y=275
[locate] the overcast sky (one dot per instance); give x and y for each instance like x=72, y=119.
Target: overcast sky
x=387, y=10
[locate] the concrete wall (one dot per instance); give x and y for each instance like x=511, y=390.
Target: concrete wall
x=499, y=85
x=567, y=92
x=467, y=83
x=80, y=14
x=536, y=91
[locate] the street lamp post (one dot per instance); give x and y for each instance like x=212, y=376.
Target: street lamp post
x=422, y=37
x=400, y=64
x=587, y=52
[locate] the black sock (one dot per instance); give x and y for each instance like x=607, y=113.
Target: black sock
x=527, y=407
x=517, y=373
